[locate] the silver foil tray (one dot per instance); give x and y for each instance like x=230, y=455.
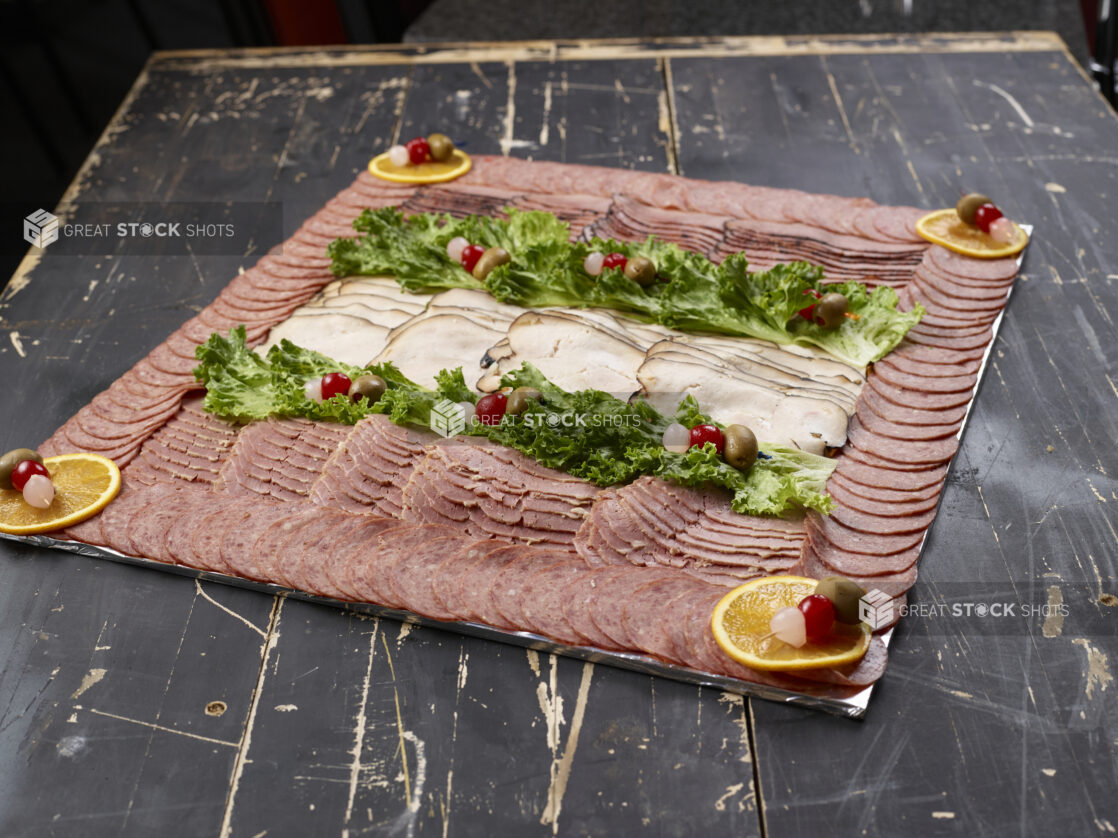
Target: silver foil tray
x=827, y=699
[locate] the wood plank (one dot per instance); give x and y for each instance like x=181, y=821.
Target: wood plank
x=373, y=726
x=107, y=670
x=979, y=726
x=614, y=49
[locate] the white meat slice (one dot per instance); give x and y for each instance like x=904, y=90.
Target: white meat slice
x=342, y=337
x=600, y=350
x=438, y=340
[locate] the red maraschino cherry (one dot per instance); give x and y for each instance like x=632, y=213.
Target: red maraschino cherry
x=702, y=434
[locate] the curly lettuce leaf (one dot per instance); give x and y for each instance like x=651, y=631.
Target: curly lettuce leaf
x=412, y=249
x=238, y=382
x=879, y=326
x=545, y=274
x=242, y=386
x=587, y=433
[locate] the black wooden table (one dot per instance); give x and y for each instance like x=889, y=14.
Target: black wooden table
x=141, y=703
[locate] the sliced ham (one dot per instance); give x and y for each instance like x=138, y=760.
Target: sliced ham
x=279, y=458
x=368, y=471
x=653, y=523
x=495, y=492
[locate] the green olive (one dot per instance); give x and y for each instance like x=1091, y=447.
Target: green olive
x=968, y=204
x=739, y=447
x=844, y=595
x=640, y=270
x=489, y=260
x=12, y=459
x=369, y=387
x=441, y=147
x=831, y=310
x=518, y=400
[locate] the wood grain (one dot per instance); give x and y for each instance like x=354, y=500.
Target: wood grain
x=338, y=724
x=980, y=727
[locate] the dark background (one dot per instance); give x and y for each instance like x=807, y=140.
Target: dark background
x=66, y=65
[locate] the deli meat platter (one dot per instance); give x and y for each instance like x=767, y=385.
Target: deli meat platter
x=467, y=534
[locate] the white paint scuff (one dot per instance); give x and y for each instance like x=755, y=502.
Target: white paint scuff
x=1013, y=103
x=561, y=769
x=1098, y=668
x=92, y=677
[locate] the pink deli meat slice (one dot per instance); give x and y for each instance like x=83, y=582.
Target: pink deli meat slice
x=411, y=576
x=252, y=521
x=211, y=526
x=147, y=532
x=305, y=544
x=330, y=576
x=509, y=588
x=577, y=604
x=813, y=565
x=267, y=551
x=370, y=570
x=614, y=588
x=543, y=600
x=643, y=617
x=455, y=573
x=476, y=591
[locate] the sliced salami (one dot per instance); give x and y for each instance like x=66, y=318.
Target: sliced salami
x=851, y=501
x=963, y=343
x=542, y=600
x=370, y=572
x=937, y=354
x=211, y=525
x=412, y=575
x=643, y=615
x=881, y=426
x=920, y=399
x=477, y=591
x=913, y=520
x=304, y=546
x=330, y=576
x=903, y=363
x=945, y=384
x=611, y=591
x=968, y=267
x=267, y=549
x=888, y=553
x=886, y=485
x=510, y=584
x=902, y=452
x=893, y=584
x=455, y=571
x=576, y=605
x=251, y=522
x=907, y=415
x=118, y=514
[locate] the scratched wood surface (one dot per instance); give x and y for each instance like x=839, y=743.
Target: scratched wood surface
x=322, y=722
